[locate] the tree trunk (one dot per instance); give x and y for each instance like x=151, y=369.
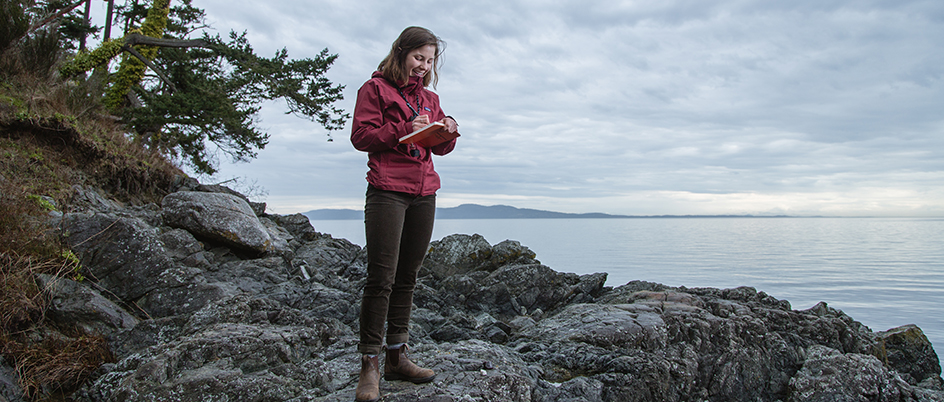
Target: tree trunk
x=88, y=20
x=131, y=70
x=108, y=18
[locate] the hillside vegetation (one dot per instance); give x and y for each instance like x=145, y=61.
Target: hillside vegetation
x=53, y=137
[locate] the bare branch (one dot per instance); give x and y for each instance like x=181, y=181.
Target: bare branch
x=138, y=39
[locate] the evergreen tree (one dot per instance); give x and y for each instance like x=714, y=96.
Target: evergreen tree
x=179, y=94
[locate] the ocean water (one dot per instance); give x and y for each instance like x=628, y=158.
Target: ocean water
x=884, y=272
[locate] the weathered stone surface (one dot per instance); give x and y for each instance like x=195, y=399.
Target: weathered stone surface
x=513, y=289
x=87, y=199
x=240, y=347
x=148, y=333
x=602, y=326
x=471, y=370
x=298, y=225
x=456, y=254
x=9, y=389
x=333, y=262
x=221, y=217
x=461, y=254
x=494, y=323
x=74, y=304
x=184, y=299
x=829, y=375
x=909, y=352
x=280, y=238
x=183, y=247
x=125, y=255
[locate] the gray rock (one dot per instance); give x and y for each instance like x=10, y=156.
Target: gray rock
x=243, y=362
x=86, y=199
x=148, y=333
x=317, y=299
x=461, y=254
x=74, y=304
x=124, y=255
x=604, y=326
x=9, y=388
x=251, y=276
x=336, y=263
x=241, y=348
x=908, y=351
x=830, y=375
x=463, y=375
x=184, y=299
x=280, y=237
x=298, y=225
x=219, y=217
x=580, y=389
x=512, y=289
x=182, y=247
x=456, y=254
x=670, y=345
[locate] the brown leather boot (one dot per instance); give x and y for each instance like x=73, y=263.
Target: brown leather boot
x=368, y=384
x=399, y=367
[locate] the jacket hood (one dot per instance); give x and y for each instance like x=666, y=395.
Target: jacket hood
x=412, y=84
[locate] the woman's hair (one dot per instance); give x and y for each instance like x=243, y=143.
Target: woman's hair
x=393, y=66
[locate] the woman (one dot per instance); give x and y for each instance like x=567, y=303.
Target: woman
x=401, y=200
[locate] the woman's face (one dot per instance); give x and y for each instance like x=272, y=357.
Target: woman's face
x=419, y=61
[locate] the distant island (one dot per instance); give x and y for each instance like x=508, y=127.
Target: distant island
x=474, y=211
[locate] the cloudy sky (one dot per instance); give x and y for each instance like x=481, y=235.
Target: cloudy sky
x=820, y=107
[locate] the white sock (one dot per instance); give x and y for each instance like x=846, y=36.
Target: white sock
x=395, y=346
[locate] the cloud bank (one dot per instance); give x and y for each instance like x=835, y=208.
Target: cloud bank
x=637, y=108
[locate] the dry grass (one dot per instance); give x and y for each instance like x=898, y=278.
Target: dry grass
x=21, y=302
x=48, y=365
x=57, y=365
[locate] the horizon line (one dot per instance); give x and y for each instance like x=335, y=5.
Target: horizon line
x=604, y=215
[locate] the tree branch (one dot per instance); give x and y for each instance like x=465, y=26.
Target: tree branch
x=61, y=12
x=150, y=65
x=138, y=39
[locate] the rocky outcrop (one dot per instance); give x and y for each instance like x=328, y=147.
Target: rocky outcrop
x=197, y=307
x=218, y=217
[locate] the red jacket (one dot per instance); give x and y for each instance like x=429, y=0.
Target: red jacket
x=381, y=117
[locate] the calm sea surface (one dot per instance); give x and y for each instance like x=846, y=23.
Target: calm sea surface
x=884, y=272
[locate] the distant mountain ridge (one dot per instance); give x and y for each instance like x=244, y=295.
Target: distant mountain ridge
x=334, y=214
x=465, y=211
x=475, y=211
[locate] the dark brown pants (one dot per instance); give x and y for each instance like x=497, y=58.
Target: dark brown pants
x=398, y=227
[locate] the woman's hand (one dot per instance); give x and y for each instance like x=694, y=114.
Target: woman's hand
x=420, y=122
x=451, y=125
